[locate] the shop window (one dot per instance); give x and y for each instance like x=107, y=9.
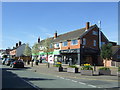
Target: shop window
x=74, y=42
x=65, y=43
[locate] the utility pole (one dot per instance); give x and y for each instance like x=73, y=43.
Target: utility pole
x=99, y=25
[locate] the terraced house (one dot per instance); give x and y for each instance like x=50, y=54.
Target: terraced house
x=78, y=46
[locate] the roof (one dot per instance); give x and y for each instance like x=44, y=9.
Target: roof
x=71, y=35
x=42, y=41
x=14, y=48
x=115, y=49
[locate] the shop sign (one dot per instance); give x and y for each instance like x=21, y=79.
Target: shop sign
x=69, y=51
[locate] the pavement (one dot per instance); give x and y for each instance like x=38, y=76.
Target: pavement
x=43, y=69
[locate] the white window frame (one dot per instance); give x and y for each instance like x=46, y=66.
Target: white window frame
x=63, y=44
x=84, y=41
x=94, y=32
x=94, y=42
x=76, y=42
x=57, y=45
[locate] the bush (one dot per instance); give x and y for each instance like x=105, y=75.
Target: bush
x=73, y=66
x=104, y=68
x=87, y=67
x=119, y=69
x=57, y=65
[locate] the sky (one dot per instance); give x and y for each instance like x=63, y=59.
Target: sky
x=26, y=21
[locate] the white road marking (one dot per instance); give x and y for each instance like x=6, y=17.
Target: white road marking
x=92, y=85
x=62, y=78
x=79, y=82
x=74, y=81
x=82, y=83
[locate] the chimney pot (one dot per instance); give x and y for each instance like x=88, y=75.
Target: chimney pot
x=39, y=40
x=16, y=44
x=19, y=43
x=55, y=35
x=87, y=25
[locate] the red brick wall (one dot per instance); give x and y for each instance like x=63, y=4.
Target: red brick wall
x=69, y=46
x=90, y=39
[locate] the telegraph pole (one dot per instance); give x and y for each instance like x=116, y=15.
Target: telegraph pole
x=99, y=25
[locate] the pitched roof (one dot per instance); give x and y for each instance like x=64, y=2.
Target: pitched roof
x=115, y=49
x=71, y=35
x=42, y=41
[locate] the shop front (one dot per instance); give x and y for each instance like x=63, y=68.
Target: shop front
x=90, y=56
x=70, y=56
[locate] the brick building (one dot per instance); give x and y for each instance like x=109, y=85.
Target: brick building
x=81, y=46
x=78, y=46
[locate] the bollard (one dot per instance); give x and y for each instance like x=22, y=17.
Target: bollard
x=94, y=67
x=48, y=65
x=32, y=64
x=36, y=62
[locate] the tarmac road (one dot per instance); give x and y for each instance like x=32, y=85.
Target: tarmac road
x=22, y=78
x=26, y=78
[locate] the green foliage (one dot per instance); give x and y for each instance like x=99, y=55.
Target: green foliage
x=27, y=51
x=104, y=68
x=47, y=45
x=57, y=65
x=87, y=67
x=73, y=66
x=4, y=56
x=35, y=49
x=119, y=69
x=106, y=52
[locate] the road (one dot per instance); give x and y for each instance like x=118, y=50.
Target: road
x=23, y=78
x=26, y=78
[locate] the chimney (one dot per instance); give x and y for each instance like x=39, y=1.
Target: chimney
x=16, y=44
x=19, y=43
x=55, y=35
x=39, y=40
x=87, y=25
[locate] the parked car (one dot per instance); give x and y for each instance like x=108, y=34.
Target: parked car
x=8, y=61
x=17, y=64
x=3, y=61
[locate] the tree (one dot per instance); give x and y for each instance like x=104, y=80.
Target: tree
x=47, y=46
x=106, y=52
x=27, y=52
x=35, y=50
x=4, y=56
